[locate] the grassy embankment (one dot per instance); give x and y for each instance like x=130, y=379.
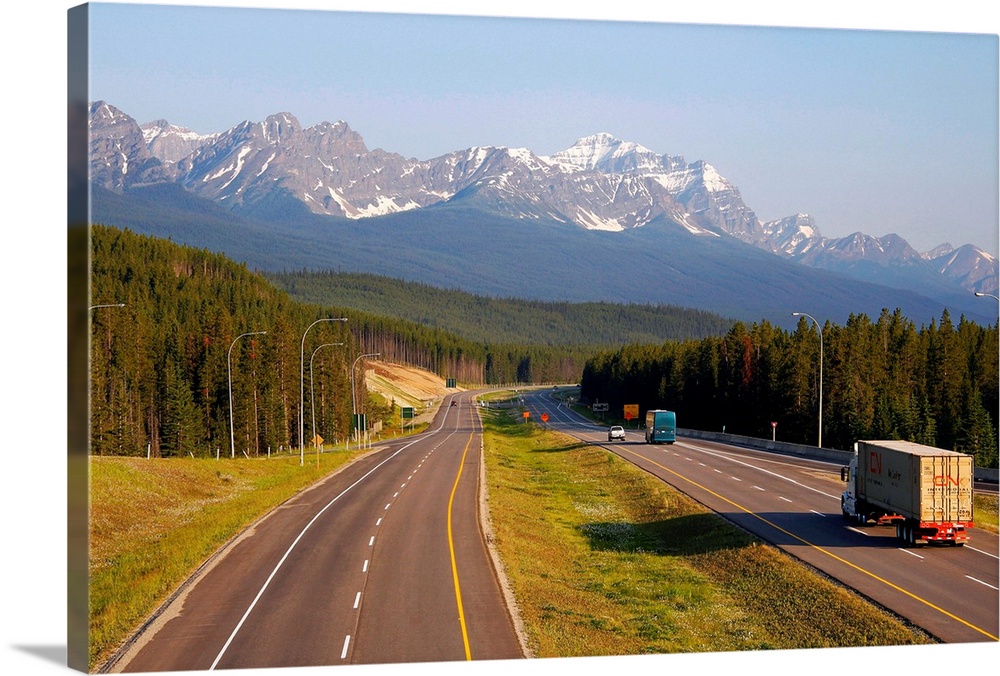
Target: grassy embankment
x=606, y=560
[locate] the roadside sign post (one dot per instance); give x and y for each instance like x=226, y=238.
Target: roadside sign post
x=631, y=411
x=598, y=407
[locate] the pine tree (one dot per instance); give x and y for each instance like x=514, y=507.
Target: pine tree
x=182, y=423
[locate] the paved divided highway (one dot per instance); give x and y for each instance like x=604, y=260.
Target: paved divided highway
x=794, y=503
x=384, y=561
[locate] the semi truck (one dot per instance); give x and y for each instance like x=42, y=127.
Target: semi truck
x=661, y=427
x=925, y=492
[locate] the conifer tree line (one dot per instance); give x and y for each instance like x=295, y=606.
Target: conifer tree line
x=882, y=379
x=161, y=365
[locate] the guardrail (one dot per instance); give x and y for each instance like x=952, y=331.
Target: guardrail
x=801, y=450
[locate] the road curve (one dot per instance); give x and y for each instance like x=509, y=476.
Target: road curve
x=382, y=562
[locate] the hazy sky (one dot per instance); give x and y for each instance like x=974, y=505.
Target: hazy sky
x=874, y=130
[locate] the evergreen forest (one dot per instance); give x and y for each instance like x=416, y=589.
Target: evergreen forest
x=189, y=333
x=881, y=379
x=487, y=319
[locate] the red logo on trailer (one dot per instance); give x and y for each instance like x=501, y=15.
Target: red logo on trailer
x=875, y=464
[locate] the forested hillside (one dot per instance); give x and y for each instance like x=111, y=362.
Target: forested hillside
x=882, y=379
x=161, y=365
x=509, y=320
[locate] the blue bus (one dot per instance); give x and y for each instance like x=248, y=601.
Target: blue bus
x=661, y=427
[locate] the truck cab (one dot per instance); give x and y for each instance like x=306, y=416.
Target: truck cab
x=849, y=498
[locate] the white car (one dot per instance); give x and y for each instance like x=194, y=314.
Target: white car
x=616, y=432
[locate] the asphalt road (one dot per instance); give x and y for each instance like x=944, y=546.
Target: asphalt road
x=382, y=562
x=794, y=503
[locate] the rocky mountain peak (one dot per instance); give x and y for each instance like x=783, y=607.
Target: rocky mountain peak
x=601, y=182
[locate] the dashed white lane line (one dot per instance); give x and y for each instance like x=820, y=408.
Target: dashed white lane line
x=987, y=584
x=347, y=642
x=357, y=600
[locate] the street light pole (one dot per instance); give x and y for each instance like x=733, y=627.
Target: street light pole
x=312, y=388
x=94, y=307
x=229, y=365
x=980, y=294
x=302, y=385
x=354, y=398
x=819, y=329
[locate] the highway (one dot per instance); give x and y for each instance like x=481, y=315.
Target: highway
x=794, y=503
x=384, y=561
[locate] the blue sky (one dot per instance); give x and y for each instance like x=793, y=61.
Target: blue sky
x=872, y=129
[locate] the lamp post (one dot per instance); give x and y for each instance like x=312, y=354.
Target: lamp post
x=302, y=385
x=354, y=399
x=312, y=388
x=229, y=365
x=94, y=307
x=980, y=294
x=819, y=329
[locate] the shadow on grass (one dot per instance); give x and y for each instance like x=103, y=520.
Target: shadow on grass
x=680, y=536
x=562, y=449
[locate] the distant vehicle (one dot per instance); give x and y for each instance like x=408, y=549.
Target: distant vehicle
x=454, y=403
x=616, y=432
x=661, y=427
x=925, y=491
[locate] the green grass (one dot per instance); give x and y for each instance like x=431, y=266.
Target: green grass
x=604, y=559
x=984, y=511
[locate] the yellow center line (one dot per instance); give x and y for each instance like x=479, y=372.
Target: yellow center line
x=451, y=547
x=817, y=547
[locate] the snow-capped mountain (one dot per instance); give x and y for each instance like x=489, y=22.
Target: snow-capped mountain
x=171, y=143
x=969, y=266
x=599, y=183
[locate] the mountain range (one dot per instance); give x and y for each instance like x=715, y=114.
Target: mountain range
x=605, y=219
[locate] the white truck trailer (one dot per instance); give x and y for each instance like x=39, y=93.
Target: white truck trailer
x=925, y=492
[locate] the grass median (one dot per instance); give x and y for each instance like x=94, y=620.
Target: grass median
x=604, y=559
